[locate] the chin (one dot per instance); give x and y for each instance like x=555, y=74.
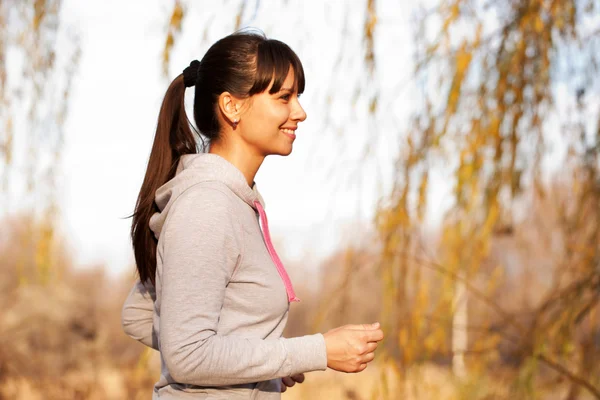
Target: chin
x=281, y=152
x=287, y=152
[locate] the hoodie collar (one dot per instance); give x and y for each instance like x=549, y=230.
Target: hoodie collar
x=196, y=168
x=212, y=167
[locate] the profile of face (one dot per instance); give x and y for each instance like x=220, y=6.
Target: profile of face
x=268, y=122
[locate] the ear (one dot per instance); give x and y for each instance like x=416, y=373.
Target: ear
x=230, y=106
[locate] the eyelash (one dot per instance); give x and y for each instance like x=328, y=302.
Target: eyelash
x=287, y=96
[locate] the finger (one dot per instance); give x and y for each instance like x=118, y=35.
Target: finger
x=364, y=327
x=362, y=367
x=283, y=388
x=370, y=347
x=373, y=335
x=288, y=381
x=298, y=378
x=367, y=358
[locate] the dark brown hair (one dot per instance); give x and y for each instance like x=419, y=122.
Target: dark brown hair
x=243, y=64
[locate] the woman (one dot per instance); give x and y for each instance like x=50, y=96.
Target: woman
x=215, y=296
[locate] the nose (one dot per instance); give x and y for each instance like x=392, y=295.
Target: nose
x=298, y=113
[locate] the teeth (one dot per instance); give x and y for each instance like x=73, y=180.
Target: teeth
x=289, y=131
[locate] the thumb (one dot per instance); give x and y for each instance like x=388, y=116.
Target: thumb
x=366, y=327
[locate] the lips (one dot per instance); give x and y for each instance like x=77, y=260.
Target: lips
x=289, y=133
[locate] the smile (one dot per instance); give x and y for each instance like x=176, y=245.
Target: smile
x=289, y=132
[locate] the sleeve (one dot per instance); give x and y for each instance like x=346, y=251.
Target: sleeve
x=200, y=253
x=138, y=312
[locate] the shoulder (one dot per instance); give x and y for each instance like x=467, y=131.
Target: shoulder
x=205, y=206
x=207, y=193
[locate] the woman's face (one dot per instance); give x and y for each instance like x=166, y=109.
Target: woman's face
x=268, y=125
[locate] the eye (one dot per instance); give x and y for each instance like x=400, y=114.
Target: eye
x=285, y=96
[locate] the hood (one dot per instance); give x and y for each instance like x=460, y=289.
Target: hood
x=207, y=167
x=196, y=168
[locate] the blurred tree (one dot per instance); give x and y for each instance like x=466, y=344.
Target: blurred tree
x=519, y=82
x=38, y=59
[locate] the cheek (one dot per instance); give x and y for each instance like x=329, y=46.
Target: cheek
x=267, y=117
x=279, y=114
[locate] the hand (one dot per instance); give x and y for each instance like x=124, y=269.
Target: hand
x=290, y=381
x=351, y=347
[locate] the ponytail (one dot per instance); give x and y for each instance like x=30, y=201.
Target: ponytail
x=173, y=139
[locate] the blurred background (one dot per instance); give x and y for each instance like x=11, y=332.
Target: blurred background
x=446, y=183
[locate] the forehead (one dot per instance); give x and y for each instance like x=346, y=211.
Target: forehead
x=288, y=83
x=290, y=79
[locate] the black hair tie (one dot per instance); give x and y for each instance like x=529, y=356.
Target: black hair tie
x=190, y=74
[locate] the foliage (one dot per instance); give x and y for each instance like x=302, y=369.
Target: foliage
x=507, y=70
x=35, y=83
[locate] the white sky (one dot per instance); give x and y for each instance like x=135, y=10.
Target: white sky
x=312, y=210
x=119, y=87
x=117, y=94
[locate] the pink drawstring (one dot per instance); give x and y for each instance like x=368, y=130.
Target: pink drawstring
x=286, y=279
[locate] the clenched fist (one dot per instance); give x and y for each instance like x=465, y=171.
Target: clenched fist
x=351, y=347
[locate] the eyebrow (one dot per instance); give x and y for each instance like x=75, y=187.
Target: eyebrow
x=286, y=89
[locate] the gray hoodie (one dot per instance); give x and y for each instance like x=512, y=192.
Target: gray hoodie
x=222, y=297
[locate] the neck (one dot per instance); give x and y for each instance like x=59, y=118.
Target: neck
x=243, y=159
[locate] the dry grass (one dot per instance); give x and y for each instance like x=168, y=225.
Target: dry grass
x=425, y=382
x=61, y=339
x=377, y=382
